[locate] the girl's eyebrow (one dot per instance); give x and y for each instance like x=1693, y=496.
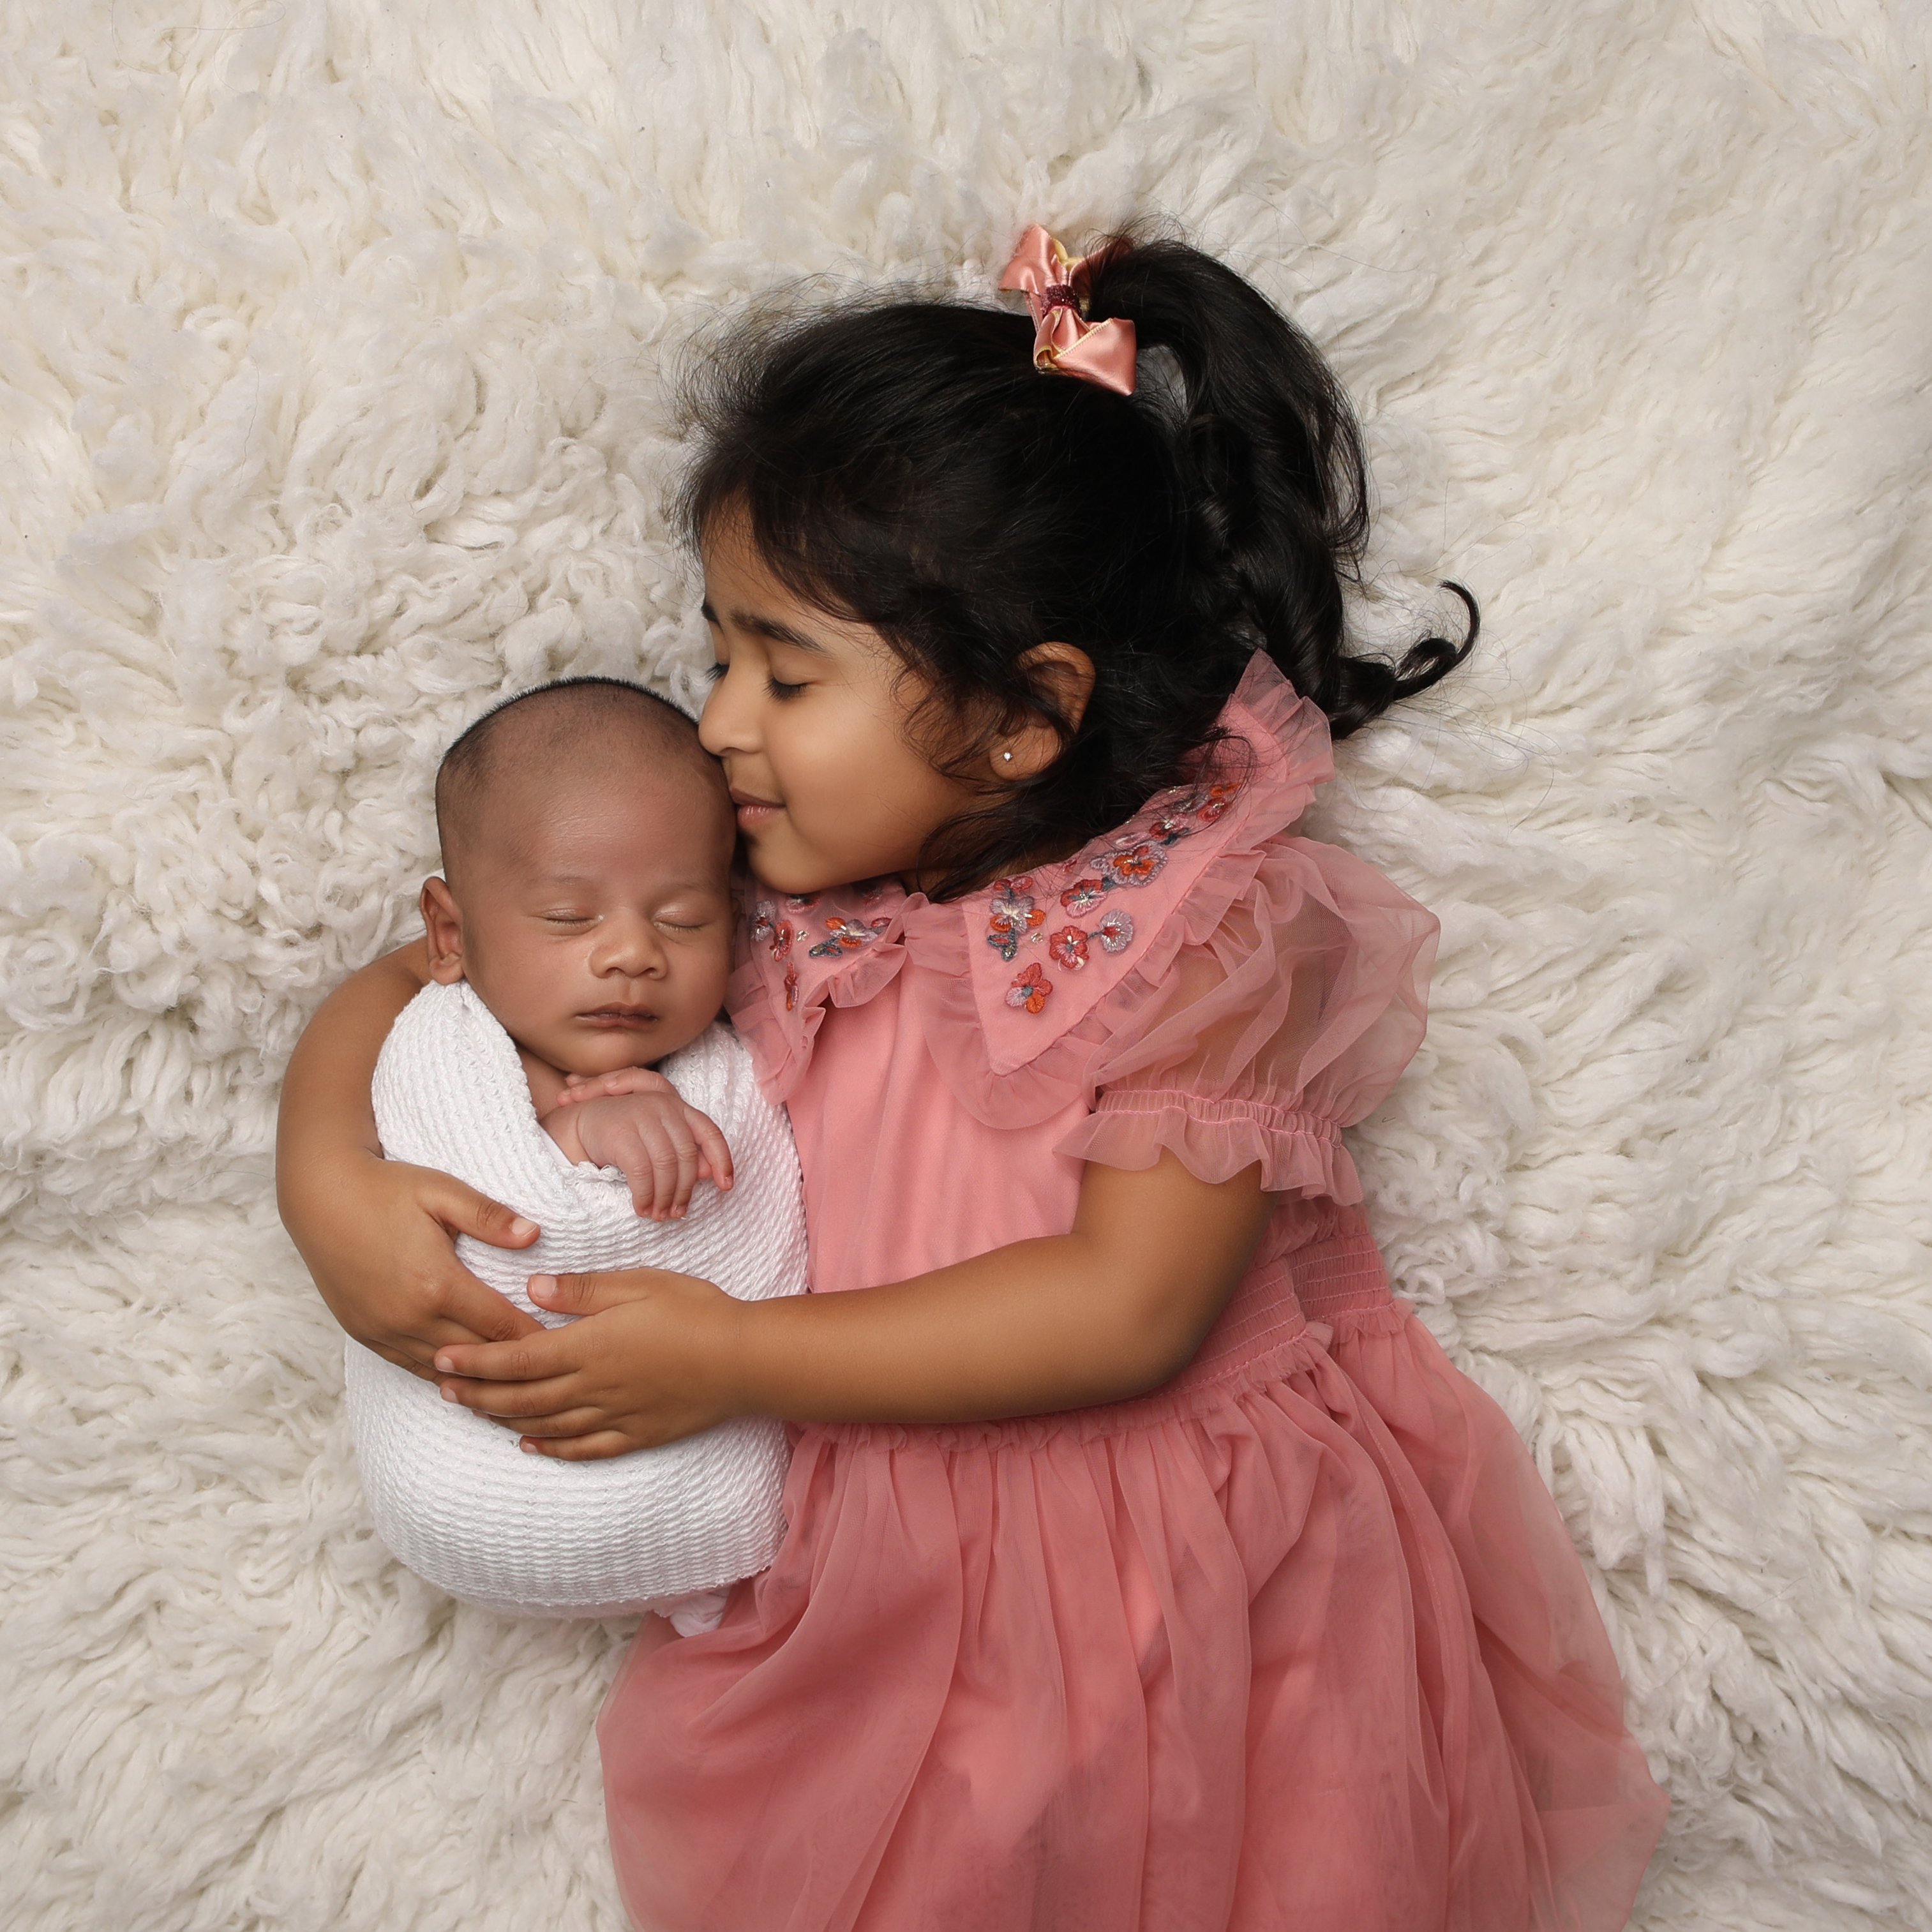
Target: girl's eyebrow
x=765, y=627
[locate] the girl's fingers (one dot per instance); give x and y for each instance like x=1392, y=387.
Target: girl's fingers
x=474, y=1313
x=580, y=1448
x=537, y=1357
x=568, y=1423
x=404, y=1360
x=523, y=1400
x=588, y=1293
x=463, y=1210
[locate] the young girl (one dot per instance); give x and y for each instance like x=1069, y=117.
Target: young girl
x=1148, y=1568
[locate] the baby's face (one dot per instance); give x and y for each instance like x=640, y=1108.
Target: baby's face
x=592, y=913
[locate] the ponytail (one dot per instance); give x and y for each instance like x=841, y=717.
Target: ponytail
x=904, y=465
x=1271, y=463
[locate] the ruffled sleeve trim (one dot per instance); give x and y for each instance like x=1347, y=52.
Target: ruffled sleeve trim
x=1299, y=1152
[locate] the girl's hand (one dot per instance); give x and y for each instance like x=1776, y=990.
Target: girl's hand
x=378, y=1237
x=644, y=1127
x=654, y=1360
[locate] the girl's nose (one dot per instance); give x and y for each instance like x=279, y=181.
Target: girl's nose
x=724, y=724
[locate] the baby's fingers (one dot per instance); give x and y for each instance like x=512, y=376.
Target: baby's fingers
x=712, y=1145
x=689, y=1163
x=672, y=1156
x=654, y=1184
x=624, y=1080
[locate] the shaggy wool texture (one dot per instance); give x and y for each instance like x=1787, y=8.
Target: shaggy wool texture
x=334, y=342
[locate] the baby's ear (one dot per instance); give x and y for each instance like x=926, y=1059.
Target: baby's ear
x=442, y=927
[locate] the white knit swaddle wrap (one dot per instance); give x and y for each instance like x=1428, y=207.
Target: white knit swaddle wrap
x=452, y=1495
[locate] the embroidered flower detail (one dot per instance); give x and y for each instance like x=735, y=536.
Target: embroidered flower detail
x=1011, y=916
x=1135, y=866
x=791, y=986
x=1219, y=797
x=847, y=936
x=1031, y=990
x=768, y=929
x=1068, y=948
x=801, y=902
x=1081, y=895
x=1115, y=932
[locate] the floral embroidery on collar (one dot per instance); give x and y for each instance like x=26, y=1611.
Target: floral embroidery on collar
x=1121, y=862
x=780, y=925
x=1031, y=990
x=769, y=930
x=1013, y=917
x=846, y=935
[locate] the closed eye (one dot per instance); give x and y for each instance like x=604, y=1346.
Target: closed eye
x=781, y=691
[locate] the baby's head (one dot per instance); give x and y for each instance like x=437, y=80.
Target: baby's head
x=586, y=851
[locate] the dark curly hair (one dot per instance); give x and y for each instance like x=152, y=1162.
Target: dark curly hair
x=903, y=463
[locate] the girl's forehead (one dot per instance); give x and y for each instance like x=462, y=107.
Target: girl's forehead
x=749, y=601
x=737, y=573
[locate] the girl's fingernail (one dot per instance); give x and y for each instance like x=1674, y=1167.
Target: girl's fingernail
x=448, y=1367
x=542, y=1286
x=529, y=1447
x=518, y=1225
x=448, y=1394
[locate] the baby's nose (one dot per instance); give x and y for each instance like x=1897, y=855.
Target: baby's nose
x=629, y=945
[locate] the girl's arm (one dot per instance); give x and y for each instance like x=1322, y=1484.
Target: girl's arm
x=1116, y=1307
x=378, y=1235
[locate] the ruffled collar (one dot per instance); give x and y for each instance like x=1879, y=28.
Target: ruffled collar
x=1044, y=949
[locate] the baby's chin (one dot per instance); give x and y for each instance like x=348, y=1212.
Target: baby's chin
x=611, y=1050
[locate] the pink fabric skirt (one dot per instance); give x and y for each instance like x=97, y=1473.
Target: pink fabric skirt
x=1297, y=1643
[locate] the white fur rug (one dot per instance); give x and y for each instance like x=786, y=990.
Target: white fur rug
x=330, y=348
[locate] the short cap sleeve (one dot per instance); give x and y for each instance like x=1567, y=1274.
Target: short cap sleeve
x=1292, y=1020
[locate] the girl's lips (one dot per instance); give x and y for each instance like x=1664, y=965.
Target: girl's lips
x=753, y=810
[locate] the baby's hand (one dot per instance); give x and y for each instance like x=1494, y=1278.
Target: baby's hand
x=636, y=1120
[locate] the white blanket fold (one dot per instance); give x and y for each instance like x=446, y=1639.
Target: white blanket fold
x=452, y=1495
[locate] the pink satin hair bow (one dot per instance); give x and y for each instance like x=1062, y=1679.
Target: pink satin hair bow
x=1064, y=341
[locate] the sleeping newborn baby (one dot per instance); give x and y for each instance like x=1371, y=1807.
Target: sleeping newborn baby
x=583, y=926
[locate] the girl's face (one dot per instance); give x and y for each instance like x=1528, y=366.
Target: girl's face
x=811, y=718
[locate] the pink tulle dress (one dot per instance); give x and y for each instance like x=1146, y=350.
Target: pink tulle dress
x=1297, y=1642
